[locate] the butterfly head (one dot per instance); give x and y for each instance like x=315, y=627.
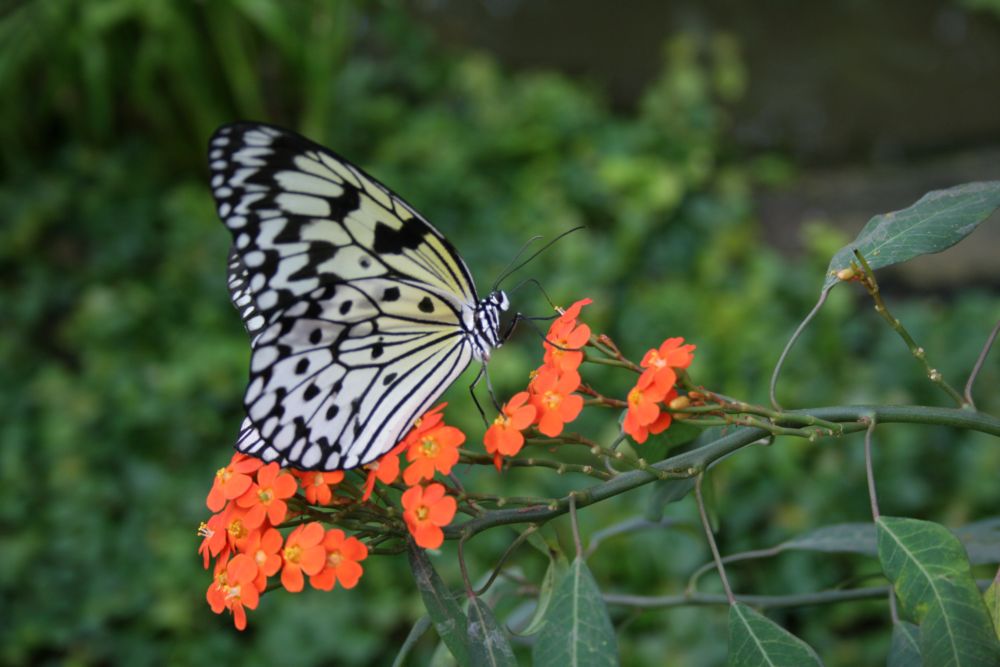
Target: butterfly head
x=486, y=324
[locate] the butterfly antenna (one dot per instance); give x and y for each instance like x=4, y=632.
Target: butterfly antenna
x=508, y=271
x=537, y=284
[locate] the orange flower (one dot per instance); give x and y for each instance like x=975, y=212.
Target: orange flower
x=216, y=593
x=241, y=592
x=564, y=342
x=316, y=484
x=644, y=415
x=214, y=533
x=232, y=481
x=343, y=561
x=504, y=436
x=426, y=510
x=661, y=363
x=573, y=311
x=553, y=397
x=434, y=450
x=265, y=550
x=303, y=552
x=266, y=498
x=386, y=469
x=234, y=525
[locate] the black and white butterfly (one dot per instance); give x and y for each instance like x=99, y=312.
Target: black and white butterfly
x=360, y=313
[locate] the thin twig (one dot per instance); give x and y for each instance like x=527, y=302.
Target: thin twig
x=503, y=558
x=711, y=540
x=869, y=468
x=791, y=341
x=573, y=522
x=979, y=364
x=933, y=374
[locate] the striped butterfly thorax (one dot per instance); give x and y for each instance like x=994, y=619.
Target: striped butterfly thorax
x=360, y=313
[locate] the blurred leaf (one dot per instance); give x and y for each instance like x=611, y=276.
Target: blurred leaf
x=933, y=582
x=754, y=639
x=416, y=632
x=577, y=630
x=488, y=644
x=449, y=621
x=545, y=593
x=937, y=221
x=992, y=599
x=905, y=648
x=665, y=492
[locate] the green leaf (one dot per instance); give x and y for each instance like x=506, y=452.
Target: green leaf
x=449, y=621
x=666, y=492
x=992, y=599
x=905, y=648
x=545, y=594
x=577, y=630
x=488, y=644
x=754, y=639
x=933, y=581
x=937, y=221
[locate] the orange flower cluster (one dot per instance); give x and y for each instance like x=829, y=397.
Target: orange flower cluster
x=431, y=447
x=249, y=499
x=549, y=403
x=655, y=387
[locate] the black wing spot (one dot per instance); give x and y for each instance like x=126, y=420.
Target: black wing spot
x=311, y=392
x=426, y=305
x=391, y=294
x=332, y=411
x=365, y=262
x=377, y=350
x=337, y=386
x=345, y=307
x=302, y=366
x=394, y=241
x=316, y=336
x=389, y=379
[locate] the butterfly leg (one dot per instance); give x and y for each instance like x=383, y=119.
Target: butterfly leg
x=472, y=390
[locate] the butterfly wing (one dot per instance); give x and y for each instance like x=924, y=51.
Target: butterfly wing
x=359, y=309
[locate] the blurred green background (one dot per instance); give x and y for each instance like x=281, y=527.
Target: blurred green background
x=717, y=154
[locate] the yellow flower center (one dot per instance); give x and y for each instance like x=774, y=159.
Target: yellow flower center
x=204, y=530
x=429, y=447
x=260, y=557
x=552, y=399
x=635, y=397
x=293, y=553
x=233, y=592
x=503, y=421
x=335, y=558
x=422, y=512
x=224, y=474
x=237, y=529
x=266, y=496
x=318, y=479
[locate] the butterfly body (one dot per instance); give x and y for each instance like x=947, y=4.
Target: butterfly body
x=360, y=313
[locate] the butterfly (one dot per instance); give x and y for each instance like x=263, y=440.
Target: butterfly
x=360, y=313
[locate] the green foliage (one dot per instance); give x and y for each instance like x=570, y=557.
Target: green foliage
x=123, y=362
x=931, y=575
x=577, y=630
x=938, y=221
x=754, y=639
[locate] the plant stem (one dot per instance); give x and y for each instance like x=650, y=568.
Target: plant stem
x=869, y=469
x=933, y=374
x=711, y=540
x=979, y=364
